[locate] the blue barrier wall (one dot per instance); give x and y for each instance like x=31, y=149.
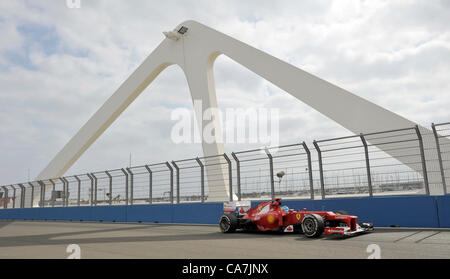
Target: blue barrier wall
x=200, y=213
x=443, y=207
x=405, y=211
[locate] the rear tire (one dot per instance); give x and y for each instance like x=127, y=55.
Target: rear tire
x=313, y=225
x=228, y=223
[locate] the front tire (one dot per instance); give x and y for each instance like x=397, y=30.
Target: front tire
x=313, y=225
x=228, y=223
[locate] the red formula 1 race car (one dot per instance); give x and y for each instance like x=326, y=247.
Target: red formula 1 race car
x=271, y=216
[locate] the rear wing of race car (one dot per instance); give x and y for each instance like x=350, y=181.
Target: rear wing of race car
x=236, y=207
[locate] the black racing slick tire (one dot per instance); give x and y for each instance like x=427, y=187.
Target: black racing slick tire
x=313, y=225
x=228, y=223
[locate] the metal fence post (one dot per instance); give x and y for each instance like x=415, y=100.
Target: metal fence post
x=64, y=191
x=32, y=193
x=43, y=189
x=311, y=182
x=78, y=189
x=150, y=184
x=22, y=195
x=322, y=182
x=14, y=195
x=91, y=189
x=238, y=174
x=424, y=166
x=230, y=176
x=95, y=188
x=41, y=194
x=369, y=175
x=177, y=171
x=53, y=192
x=110, y=187
x=171, y=181
x=202, y=179
x=5, y=198
x=126, y=185
x=131, y=185
x=272, y=181
x=438, y=149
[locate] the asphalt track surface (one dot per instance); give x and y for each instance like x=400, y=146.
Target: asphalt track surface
x=28, y=239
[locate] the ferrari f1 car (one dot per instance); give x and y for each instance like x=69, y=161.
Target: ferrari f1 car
x=271, y=216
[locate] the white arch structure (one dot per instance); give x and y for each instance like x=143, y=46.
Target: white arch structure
x=195, y=52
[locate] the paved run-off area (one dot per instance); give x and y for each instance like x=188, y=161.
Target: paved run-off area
x=104, y=240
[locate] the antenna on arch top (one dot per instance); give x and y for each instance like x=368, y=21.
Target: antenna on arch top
x=176, y=34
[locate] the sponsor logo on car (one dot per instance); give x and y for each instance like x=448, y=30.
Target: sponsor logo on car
x=289, y=228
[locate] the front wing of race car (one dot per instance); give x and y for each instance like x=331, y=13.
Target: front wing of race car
x=347, y=231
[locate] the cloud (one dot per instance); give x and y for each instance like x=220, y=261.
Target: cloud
x=59, y=65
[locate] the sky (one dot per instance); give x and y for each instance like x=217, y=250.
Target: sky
x=58, y=65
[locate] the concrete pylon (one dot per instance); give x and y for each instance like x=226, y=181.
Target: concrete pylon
x=194, y=47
